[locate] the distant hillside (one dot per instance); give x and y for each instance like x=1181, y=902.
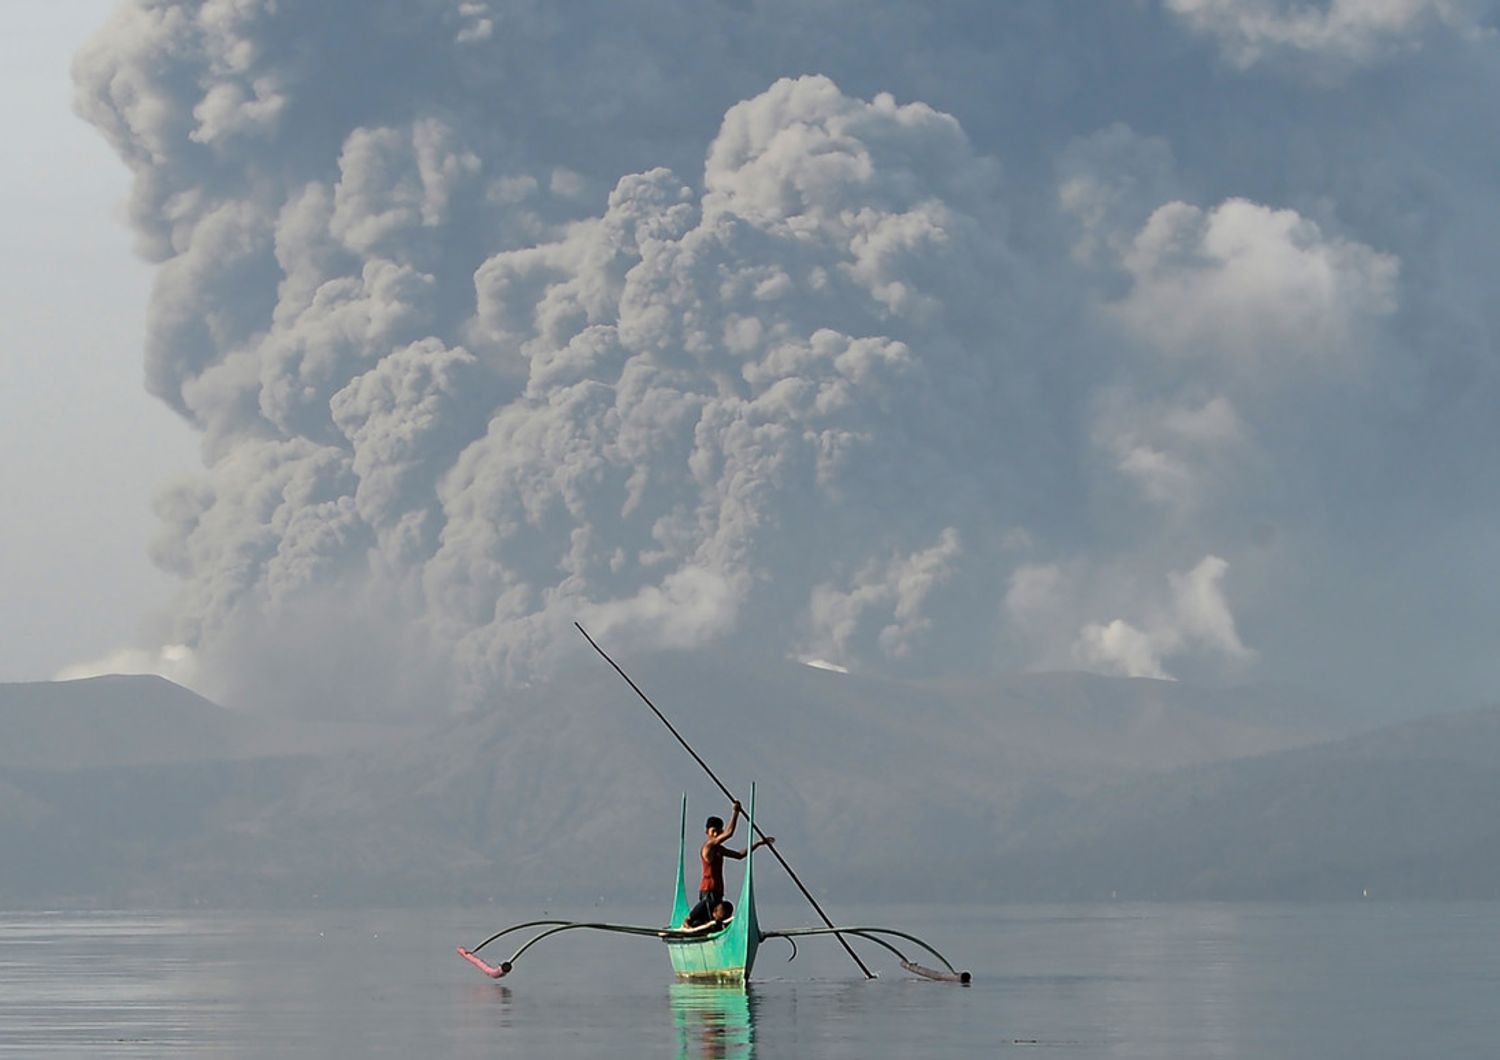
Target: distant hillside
x=1404, y=812
x=1050, y=786
x=140, y=719
x=117, y=720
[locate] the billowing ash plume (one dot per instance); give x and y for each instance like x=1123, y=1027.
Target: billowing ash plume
x=894, y=338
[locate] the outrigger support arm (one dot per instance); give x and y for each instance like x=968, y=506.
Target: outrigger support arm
x=554, y=927
x=872, y=934
x=518, y=927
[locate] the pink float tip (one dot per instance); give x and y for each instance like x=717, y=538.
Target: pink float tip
x=488, y=969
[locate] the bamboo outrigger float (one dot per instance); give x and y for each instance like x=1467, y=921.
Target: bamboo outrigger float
x=725, y=953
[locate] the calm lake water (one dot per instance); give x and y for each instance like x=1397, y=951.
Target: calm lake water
x=1365, y=980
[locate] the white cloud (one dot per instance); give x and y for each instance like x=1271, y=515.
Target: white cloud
x=230, y=109
x=478, y=22
x=394, y=180
x=1196, y=618
x=1176, y=454
x=1183, y=617
x=893, y=593
x=1351, y=30
x=1200, y=611
x=1119, y=648
x=1255, y=287
x=1110, y=182
x=406, y=419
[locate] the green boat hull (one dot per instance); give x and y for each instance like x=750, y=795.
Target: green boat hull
x=728, y=956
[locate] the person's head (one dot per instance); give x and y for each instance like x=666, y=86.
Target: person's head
x=723, y=910
x=714, y=825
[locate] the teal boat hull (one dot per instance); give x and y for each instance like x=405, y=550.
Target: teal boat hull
x=727, y=956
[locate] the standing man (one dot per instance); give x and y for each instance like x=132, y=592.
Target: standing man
x=712, y=854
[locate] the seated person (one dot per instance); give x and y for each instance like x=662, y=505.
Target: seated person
x=723, y=909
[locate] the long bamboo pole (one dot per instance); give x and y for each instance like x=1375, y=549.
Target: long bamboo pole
x=730, y=796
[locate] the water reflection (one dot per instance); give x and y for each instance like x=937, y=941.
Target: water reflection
x=713, y=1022
x=494, y=994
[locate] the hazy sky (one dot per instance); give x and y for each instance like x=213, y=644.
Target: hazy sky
x=1153, y=337
x=85, y=446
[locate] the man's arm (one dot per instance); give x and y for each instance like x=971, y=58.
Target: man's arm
x=696, y=929
x=719, y=839
x=738, y=854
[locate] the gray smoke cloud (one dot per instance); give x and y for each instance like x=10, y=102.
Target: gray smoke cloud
x=919, y=340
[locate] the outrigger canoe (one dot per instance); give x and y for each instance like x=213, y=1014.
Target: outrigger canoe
x=727, y=954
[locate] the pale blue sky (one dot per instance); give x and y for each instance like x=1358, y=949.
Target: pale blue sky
x=85, y=446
